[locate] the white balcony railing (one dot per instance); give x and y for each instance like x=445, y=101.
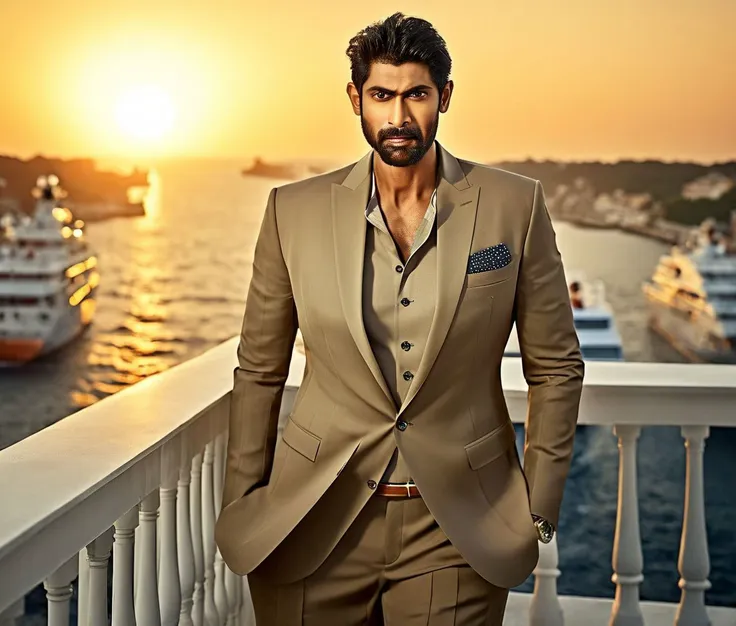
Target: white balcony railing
x=139, y=474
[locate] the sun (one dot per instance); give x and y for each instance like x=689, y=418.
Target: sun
x=146, y=113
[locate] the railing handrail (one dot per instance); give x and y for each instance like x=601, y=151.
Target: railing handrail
x=54, y=472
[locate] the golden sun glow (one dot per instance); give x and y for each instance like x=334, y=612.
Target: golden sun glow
x=146, y=113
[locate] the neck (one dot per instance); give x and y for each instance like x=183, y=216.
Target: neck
x=400, y=185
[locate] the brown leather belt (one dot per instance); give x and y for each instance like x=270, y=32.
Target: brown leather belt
x=397, y=490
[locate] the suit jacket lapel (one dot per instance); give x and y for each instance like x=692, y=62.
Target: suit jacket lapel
x=349, y=200
x=457, y=204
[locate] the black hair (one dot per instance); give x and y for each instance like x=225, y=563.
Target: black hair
x=396, y=40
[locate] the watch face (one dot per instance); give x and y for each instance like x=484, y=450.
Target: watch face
x=545, y=530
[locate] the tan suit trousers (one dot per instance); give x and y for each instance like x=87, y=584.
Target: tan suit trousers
x=394, y=566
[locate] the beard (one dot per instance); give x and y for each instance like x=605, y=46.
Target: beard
x=400, y=156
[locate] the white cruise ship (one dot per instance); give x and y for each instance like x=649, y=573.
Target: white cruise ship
x=594, y=322
x=692, y=297
x=48, y=277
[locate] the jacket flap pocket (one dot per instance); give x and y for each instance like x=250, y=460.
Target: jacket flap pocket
x=491, y=445
x=301, y=440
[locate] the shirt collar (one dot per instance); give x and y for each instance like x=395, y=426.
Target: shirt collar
x=373, y=198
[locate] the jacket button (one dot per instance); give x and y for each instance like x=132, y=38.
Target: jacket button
x=405, y=301
x=399, y=269
x=371, y=484
x=408, y=375
x=405, y=345
x=401, y=425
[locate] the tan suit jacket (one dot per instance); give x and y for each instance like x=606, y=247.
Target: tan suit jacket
x=284, y=512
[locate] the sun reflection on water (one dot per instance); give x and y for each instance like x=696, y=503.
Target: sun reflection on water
x=143, y=343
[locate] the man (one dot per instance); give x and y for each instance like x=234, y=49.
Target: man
x=396, y=495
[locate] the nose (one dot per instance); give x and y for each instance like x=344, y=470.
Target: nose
x=399, y=113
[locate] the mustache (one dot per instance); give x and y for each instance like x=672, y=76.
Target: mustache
x=397, y=134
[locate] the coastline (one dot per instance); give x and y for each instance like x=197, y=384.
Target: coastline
x=91, y=193
x=666, y=232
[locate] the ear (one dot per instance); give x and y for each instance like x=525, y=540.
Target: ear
x=354, y=96
x=445, y=96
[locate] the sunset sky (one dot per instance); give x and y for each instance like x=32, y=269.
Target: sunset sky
x=578, y=79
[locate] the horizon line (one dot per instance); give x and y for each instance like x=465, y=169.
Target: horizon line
x=246, y=158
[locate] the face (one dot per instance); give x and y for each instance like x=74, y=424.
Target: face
x=399, y=110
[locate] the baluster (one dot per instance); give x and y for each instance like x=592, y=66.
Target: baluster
x=218, y=470
x=185, y=548
x=98, y=556
x=169, y=590
x=83, y=588
x=136, y=561
x=147, y=611
x=123, y=607
x=694, y=561
x=232, y=583
x=211, y=614
x=628, y=561
x=59, y=592
x=195, y=517
x=221, y=599
x=545, y=609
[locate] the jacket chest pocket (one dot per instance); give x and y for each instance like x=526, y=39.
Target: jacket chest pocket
x=490, y=277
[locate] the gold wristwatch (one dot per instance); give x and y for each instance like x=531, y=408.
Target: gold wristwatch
x=545, y=530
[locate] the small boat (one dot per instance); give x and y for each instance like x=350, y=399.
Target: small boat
x=594, y=322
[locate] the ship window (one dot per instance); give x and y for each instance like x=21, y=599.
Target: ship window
x=602, y=353
x=593, y=324
x=688, y=294
x=18, y=300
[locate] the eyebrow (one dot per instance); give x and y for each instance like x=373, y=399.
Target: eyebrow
x=393, y=93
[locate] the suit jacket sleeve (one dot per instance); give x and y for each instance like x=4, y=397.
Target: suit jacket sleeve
x=264, y=355
x=551, y=360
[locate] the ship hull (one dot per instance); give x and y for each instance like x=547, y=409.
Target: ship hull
x=690, y=336
x=70, y=323
x=19, y=350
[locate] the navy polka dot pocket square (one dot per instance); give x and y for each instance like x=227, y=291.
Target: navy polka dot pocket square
x=491, y=258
